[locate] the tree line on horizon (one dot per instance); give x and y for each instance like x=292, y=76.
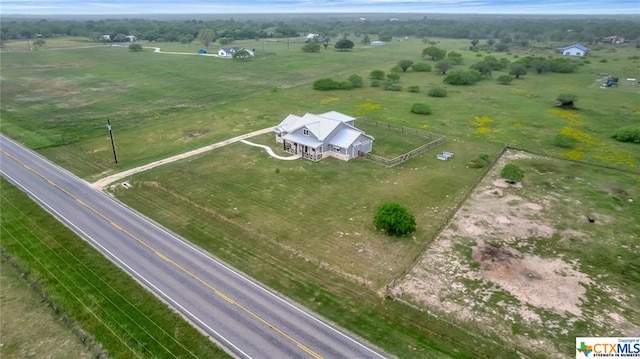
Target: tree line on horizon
x=588, y=30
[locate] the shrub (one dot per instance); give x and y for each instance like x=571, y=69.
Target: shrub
x=562, y=65
x=438, y=92
x=627, y=134
x=346, y=85
x=376, y=83
x=356, y=80
x=421, y=108
x=504, y=79
x=311, y=46
x=460, y=77
x=564, y=141
x=567, y=100
x=135, y=47
x=512, y=173
x=396, y=69
x=393, y=77
x=480, y=161
x=394, y=219
x=604, y=61
x=421, y=67
x=413, y=89
x=377, y=75
x=391, y=86
x=326, y=84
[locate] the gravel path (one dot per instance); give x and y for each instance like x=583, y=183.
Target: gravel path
x=102, y=183
x=270, y=151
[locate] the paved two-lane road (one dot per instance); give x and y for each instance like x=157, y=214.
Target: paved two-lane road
x=245, y=318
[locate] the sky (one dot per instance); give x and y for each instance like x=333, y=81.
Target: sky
x=126, y=7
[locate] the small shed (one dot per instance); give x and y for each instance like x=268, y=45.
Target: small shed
x=202, y=51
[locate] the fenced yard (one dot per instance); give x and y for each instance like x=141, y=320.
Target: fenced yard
x=390, y=138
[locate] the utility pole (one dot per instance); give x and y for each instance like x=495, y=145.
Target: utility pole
x=113, y=144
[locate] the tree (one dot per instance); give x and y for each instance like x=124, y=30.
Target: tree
x=490, y=42
x=135, y=47
x=494, y=62
x=455, y=57
x=504, y=79
x=242, y=55
x=225, y=41
x=344, y=44
x=120, y=37
x=394, y=219
x=405, y=64
x=512, y=173
x=377, y=75
x=501, y=47
x=434, y=52
x=384, y=37
x=484, y=68
x=38, y=43
x=443, y=66
x=567, y=100
x=540, y=65
x=311, y=46
x=186, y=39
x=366, y=40
x=475, y=42
x=205, y=36
x=517, y=70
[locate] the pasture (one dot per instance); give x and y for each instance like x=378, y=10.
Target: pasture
x=305, y=228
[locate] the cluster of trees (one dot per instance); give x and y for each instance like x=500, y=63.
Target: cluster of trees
x=499, y=32
x=485, y=67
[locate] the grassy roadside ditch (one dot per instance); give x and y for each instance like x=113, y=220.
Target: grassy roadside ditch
x=106, y=307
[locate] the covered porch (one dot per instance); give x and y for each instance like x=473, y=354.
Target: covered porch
x=304, y=146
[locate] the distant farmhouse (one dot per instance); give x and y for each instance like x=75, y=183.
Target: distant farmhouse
x=377, y=43
x=327, y=134
x=315, y=37
x=573, y=50
x=229, y=51
x=614, y=39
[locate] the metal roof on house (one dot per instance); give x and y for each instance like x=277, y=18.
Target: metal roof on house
x=578, y=46
x=331, y=127
x=320, y=125
x=303, y=140
x=335, y=115
x=345, y=137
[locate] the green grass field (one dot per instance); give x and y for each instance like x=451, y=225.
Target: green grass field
x=305, y=228
x=86, y=287
x=24, y=317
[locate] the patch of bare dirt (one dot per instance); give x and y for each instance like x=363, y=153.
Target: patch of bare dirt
x=480, y=271
x=547, y=283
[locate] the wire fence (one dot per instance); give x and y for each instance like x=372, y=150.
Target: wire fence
x=434, y=141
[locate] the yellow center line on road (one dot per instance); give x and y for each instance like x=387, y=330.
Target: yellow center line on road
x=170, y=261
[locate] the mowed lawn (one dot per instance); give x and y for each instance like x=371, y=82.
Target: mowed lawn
x=320, y=211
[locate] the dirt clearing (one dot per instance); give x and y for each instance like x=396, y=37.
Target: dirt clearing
x=500, y=266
